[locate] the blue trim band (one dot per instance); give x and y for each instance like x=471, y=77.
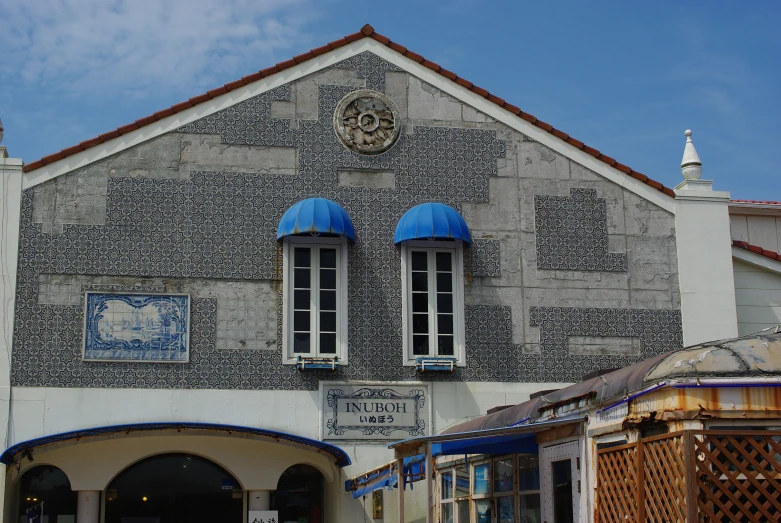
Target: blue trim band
x=341, y=458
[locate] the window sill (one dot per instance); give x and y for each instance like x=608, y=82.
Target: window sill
x=310, y=363
x=435, y=364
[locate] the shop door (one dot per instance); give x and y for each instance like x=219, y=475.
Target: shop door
x=560, y=466
x=174, y=488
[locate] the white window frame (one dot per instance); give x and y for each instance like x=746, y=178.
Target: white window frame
x=457, y=248
x=288, y=243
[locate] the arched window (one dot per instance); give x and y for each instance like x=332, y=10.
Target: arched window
x=315, y=232
x=170, y=488
x=432, y=236
x=299, y=495
x=48, y=485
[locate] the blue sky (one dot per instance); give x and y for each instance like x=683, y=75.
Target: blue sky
x=624, y=77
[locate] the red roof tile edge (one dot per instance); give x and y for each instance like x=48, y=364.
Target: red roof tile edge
x=756, y=202
x=757, y=250
x=366, y=31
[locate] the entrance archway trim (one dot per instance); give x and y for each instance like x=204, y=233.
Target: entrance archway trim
x=18, y=451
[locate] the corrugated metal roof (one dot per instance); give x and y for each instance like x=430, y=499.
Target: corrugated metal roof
x=753, y=356
x=432, y=221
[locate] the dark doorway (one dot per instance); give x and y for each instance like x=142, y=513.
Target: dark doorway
x=174, y=488
x=562, y=491
x=50, y=486
x=299, y=495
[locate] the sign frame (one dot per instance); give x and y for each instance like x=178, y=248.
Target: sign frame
x=330, y=391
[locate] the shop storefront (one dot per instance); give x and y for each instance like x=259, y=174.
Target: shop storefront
x=170, y=474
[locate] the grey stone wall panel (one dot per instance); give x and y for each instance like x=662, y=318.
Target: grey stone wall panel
x=205, y=224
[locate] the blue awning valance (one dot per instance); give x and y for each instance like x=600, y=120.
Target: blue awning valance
x=432, y=221
x=316, y=216
x=387, y=476
x=494, y=445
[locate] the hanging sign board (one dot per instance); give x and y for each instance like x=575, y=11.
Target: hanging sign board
x=263, y=516
x=371, y=411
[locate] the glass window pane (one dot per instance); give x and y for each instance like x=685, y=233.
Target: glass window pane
x=481, y=481
x=327, y=322
x=528, y=472
x=420, y=323
x=301, y=299
x=445, y=323
x=483, y=510
x=444, y=262
x=419, y=261
x=327, y=278
x=463, y=510
x=301, y=257
x=420, y=345
x=503, y=475
x=505, y=509
x=301, y=321
x=447, y=513
x=529, y=508
x=328, y=258
x=419, y=281
x=301, y=279
x=444, y=302
x=328, y=343
x=420, y=302
x=301, y=342
x=447, y=485
x=462, y=481
x=327, y=300
x=445, y=345
x=444, y=282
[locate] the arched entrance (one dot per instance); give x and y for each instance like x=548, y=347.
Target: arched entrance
x=48, y=485
x=174, y=488
x=299, y=495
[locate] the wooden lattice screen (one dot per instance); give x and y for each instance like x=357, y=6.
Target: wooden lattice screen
x=617, y=494
x=735, y=477
x=664, y=479
x=738, y=476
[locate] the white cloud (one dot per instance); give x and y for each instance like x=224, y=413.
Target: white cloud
x=132, y=46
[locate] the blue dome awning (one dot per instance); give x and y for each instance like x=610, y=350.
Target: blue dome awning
x=429, y=221
x=313, y=216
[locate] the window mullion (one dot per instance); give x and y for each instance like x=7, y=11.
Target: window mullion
x=314, y=321
x=432, y=303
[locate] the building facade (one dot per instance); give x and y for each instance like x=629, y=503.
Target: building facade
x=271, y=282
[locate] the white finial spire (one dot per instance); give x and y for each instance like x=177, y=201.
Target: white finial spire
x=691, y=166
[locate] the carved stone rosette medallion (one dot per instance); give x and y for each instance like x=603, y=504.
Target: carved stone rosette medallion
x=367, y=122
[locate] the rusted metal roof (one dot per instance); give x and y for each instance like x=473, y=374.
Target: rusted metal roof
x=753, y=356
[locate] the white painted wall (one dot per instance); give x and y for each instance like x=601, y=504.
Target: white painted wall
x=702, y=236
x=37, y=412
x=10, y=206
x=761, y=230
x=757, y=296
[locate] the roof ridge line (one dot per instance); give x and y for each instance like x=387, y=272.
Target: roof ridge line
x=367, y=31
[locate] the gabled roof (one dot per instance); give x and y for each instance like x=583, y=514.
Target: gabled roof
x=366, y=32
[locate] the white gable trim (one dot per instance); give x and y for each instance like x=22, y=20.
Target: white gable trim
x=98, y=152
x=170, y=123
x=756, y=259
